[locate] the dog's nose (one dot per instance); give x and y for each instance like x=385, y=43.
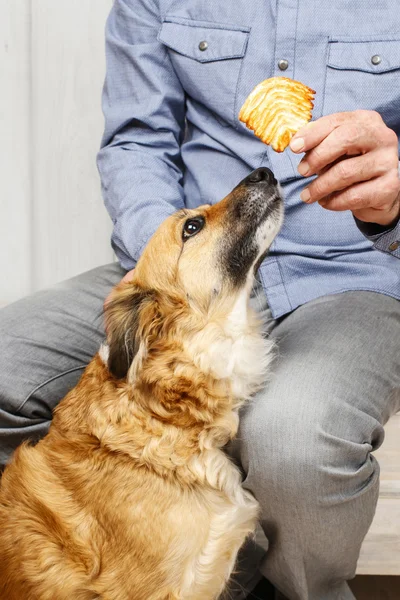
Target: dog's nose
x=261, y=175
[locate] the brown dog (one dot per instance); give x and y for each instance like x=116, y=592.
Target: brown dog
x=129, y=496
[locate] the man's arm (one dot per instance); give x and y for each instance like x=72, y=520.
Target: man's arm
x=143, y=104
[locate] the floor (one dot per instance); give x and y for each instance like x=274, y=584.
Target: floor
x=376, y=588
x=364, y=588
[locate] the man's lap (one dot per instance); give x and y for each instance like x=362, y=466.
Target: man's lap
x=346, y=345
x=49, y=338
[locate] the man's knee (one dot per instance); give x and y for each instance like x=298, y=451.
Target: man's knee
x=48, y=339
x=37, y=367
x=317, y=483
x=314, y=446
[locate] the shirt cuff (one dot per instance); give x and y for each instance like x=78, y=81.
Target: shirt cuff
x=385, y=239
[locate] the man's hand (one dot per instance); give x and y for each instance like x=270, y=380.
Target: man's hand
x=126, y=278
x=355, y=156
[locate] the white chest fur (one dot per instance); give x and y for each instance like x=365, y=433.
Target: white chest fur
x=237, y=350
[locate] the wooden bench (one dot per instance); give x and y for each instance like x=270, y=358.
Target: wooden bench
x=380, y=553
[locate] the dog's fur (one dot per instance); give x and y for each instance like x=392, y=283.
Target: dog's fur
x=129, y=496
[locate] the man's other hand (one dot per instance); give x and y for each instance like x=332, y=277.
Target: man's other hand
x=126, y=278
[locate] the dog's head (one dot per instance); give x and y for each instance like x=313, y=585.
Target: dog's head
x=194, y=268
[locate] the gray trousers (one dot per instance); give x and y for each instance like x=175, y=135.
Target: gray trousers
x=305, y=443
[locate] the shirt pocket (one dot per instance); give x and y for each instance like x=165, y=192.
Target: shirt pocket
x=364, y=75
x=207, y=59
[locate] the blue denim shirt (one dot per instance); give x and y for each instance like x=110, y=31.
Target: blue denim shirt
x=173, y=139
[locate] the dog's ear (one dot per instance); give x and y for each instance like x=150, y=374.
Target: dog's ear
x=126, y=314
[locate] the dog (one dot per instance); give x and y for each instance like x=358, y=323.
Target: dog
x=130, y=495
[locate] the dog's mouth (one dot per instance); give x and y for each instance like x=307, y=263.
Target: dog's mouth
x=254, y=219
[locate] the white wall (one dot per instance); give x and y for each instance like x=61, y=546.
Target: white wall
x=52, y=221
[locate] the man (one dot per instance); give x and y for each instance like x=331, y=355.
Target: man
x=177, y=75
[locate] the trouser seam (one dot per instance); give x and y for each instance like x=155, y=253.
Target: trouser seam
x=41, y=385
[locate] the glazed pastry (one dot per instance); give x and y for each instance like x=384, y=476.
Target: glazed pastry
x=276, y=109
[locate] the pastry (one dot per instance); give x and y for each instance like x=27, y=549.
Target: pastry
x=276, y=109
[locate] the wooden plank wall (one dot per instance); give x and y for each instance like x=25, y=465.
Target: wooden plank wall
x=15, y=160
x=52, y=221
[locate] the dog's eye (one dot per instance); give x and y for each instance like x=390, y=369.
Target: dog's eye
x=192, y=226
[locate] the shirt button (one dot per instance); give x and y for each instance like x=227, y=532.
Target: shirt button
x=376, y=59
x=203, y=46
x=393, y=246
x=283, y=64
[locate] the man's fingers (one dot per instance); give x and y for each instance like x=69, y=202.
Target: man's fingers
x=348, y=140
x=314, y=132
x=362, y=196
x=343, y=174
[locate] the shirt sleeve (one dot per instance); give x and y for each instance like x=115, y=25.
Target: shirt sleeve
x=385, y=239
x=144, y=108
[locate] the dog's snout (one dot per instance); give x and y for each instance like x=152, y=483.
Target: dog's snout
x=261, y=175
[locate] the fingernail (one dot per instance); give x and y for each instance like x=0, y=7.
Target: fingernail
x=305, y=195
x=303, y=167
x=297, y=144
